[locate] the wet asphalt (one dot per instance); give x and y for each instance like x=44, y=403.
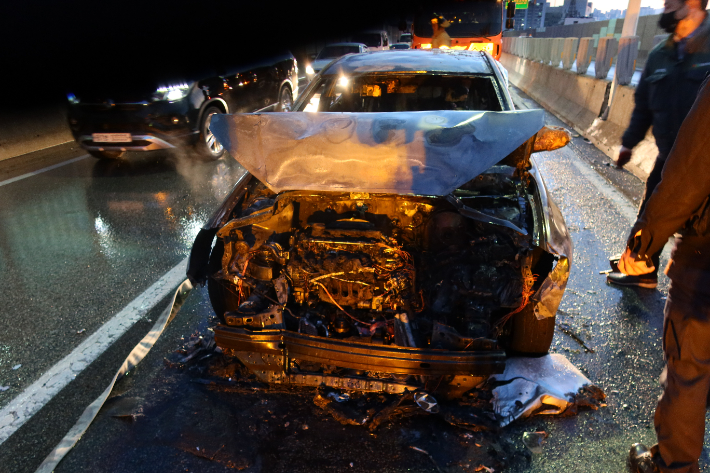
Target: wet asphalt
x=79, y=242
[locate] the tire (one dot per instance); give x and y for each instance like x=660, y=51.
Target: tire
x=530, y=336
x=285, y=99
x=207, y=147
x=107, y=154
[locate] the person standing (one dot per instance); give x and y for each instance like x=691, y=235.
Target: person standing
x=680, y=203
x=669, y=84
x=440, y=37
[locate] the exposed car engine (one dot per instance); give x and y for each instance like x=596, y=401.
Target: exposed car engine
x=412, y=271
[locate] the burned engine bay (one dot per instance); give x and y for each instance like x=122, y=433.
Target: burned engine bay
x=318, y=287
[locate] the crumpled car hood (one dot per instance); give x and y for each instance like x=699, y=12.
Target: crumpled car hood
x=422, y=153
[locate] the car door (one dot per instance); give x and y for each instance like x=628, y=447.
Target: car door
x=241, y=91
x=266, y=83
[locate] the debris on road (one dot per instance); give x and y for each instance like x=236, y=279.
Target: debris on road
x=79, y=332
x=4, y=388
x=427, y=454
x=567, y=330
x=545, y=385
x=534, y=441
x=16, y=367
x=426, y=402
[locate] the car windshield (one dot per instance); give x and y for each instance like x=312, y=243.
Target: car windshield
x=371, y=40
x=467, y=19
x=401, y=93
x=331, y=52
x=405, y=37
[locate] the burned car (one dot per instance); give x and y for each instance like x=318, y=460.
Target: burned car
x=394, y=244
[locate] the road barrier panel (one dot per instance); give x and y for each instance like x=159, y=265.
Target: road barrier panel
x=569, y=53
x=546, y=54
x=558, y=46
x=628, y=51
x=584, y=55
x=606, y=52
x=578, y=100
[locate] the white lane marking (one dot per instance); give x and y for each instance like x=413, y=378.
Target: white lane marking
x=34, y=397
x=48, y=168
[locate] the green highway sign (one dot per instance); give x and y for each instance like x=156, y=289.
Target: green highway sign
x=521, y=4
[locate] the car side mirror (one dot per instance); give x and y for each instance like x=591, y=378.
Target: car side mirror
x=510, y=24
x=550, y=138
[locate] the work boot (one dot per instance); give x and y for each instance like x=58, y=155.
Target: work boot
x=647, y=281
x=614, y=262
x=641, y=460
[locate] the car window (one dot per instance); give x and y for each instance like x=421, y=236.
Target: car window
x=371, y=40
x=402, y=93
x=332, y=52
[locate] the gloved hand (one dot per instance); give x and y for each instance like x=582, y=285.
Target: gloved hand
x=624, y=157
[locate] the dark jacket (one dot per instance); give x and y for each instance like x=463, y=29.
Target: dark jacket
x=680, y=202
x=668, y=88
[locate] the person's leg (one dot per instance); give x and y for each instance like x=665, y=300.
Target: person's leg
x=680, y=414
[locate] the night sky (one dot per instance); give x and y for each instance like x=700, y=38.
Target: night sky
x=47, y=48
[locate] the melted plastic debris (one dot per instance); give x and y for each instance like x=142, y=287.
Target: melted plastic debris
x=545, y=385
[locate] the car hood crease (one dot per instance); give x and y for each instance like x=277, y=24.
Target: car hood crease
x=421, y=153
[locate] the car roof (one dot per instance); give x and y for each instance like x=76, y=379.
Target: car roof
x=409, y=60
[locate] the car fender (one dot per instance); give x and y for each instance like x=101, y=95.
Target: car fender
x=209, y=102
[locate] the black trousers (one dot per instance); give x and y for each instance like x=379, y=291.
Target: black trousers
x=653, y=179
x=680, y=414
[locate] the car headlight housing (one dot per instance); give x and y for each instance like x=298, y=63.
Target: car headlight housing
x=309, y=70
x=172, y=93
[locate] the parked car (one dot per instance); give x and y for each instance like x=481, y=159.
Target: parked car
x=407, y=239
x=375, y=40
x=331, y=52
x=399, y=46
x=109, y=123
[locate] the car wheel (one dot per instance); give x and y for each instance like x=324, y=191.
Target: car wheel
x=106, y=154
x=221, y=297
x=285, y=99
x=530, y=336
x=208, y=148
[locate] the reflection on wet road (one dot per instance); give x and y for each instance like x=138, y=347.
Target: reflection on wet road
x=77, y=243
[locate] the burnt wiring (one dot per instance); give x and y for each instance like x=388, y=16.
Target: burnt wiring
x=527, y=292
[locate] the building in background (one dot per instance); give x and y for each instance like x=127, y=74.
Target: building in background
x=534, y=16
x=554, y=16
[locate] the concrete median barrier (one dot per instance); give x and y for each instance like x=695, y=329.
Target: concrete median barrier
x=569, y=52
x=579, y=101
x=558, y=46
x=606, y=52
x=584, y=55
x=25, y=131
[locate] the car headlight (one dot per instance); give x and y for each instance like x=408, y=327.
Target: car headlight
x=172, y=93
x=72, y=99
x=309, y=70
